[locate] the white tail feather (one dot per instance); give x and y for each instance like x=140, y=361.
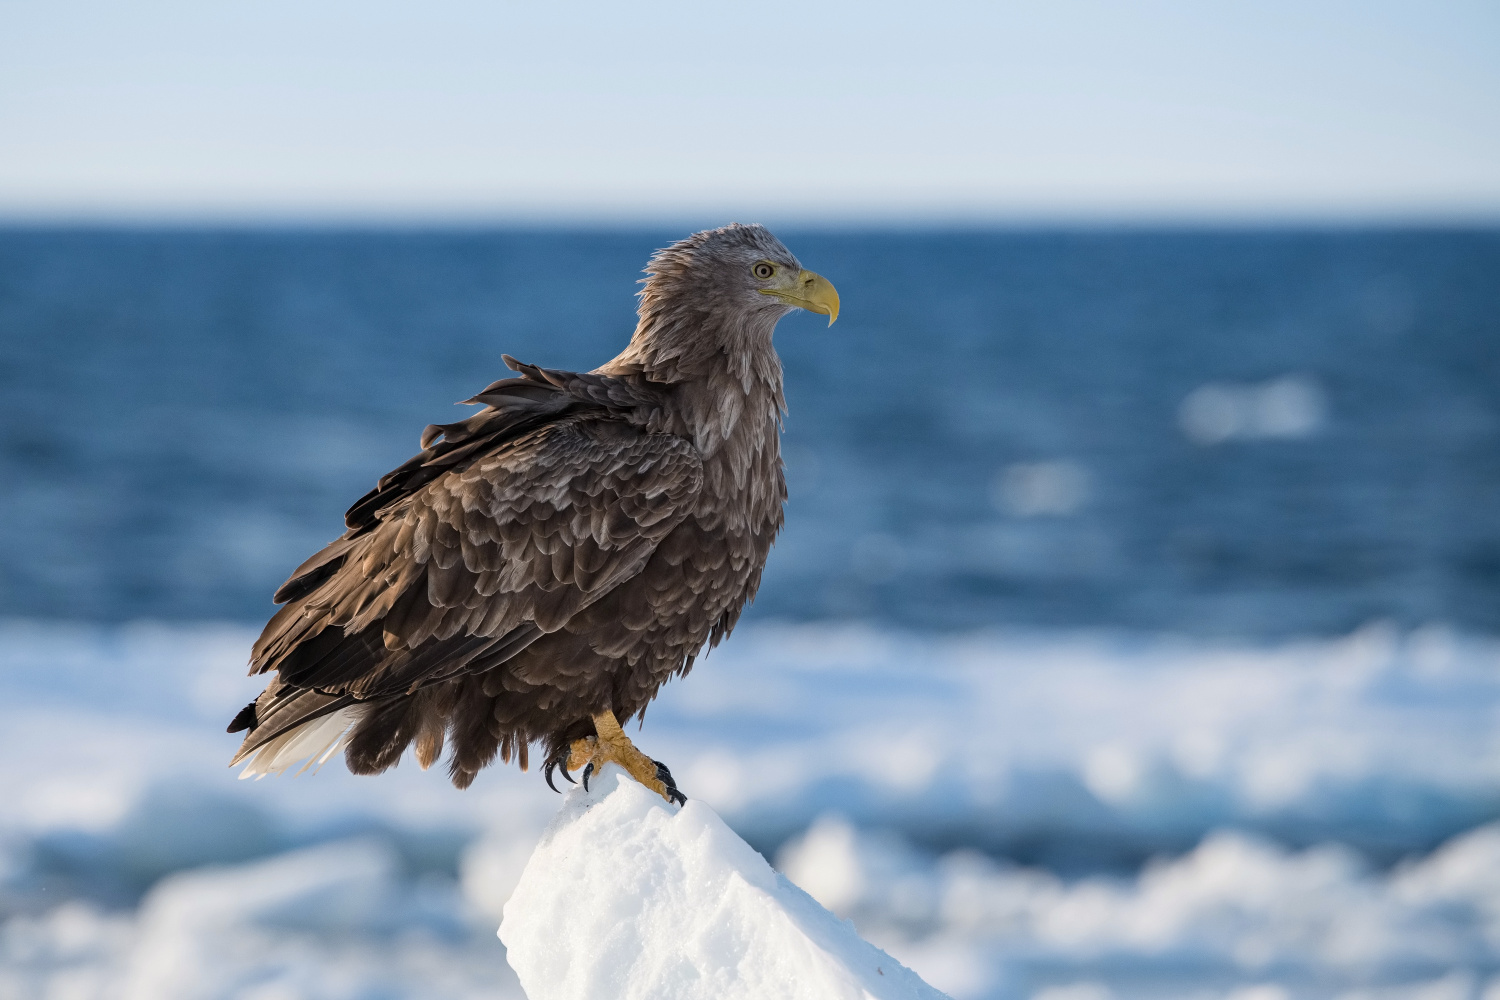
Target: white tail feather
x=314, y=741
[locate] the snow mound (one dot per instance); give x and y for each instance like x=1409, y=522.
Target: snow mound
x=630, y=897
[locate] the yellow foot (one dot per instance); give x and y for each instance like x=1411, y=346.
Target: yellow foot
x=611, y=745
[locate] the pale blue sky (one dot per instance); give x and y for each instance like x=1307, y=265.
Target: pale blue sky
x=470, y=110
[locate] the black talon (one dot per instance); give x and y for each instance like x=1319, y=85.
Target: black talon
x=588, y=769
x=559, y=763
x=664, y=775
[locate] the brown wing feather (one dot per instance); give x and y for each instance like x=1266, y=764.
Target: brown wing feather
x=460, y=568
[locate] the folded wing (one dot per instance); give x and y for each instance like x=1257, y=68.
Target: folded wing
x=502, y=529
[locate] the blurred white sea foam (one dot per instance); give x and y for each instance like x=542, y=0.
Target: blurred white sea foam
x=1013, y=814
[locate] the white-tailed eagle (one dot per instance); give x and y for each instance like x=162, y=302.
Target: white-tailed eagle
x=541, y=568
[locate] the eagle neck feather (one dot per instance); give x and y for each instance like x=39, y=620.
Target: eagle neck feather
x=720, y=364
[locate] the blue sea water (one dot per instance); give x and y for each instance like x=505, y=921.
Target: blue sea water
x=1240, y=433
x=1133, y=633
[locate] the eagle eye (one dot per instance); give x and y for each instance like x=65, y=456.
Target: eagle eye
x=763, y=270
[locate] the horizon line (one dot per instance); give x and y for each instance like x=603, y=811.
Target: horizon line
x=1477, y=217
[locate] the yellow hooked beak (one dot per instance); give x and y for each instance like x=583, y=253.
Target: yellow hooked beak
x=809, y=291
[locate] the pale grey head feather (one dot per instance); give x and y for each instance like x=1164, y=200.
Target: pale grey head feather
x=701, y=302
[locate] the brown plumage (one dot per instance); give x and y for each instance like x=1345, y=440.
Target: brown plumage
x=563, y=552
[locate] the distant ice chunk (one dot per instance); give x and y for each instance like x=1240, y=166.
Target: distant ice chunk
x=1291, y=406
x=1041, y=489
x=630, y=898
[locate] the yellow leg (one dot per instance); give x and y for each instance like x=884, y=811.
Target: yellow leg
x=611, y=745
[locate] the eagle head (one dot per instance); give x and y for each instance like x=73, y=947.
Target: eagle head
x=737, y=269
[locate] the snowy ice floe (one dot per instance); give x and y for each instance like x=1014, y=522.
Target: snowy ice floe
x=1235, y=910
x=1102, y=748
x=340, y=921
x=1306, y=804
x=1093, y=748
x=631, y=898
x=333, y=921
x=1237, y=918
